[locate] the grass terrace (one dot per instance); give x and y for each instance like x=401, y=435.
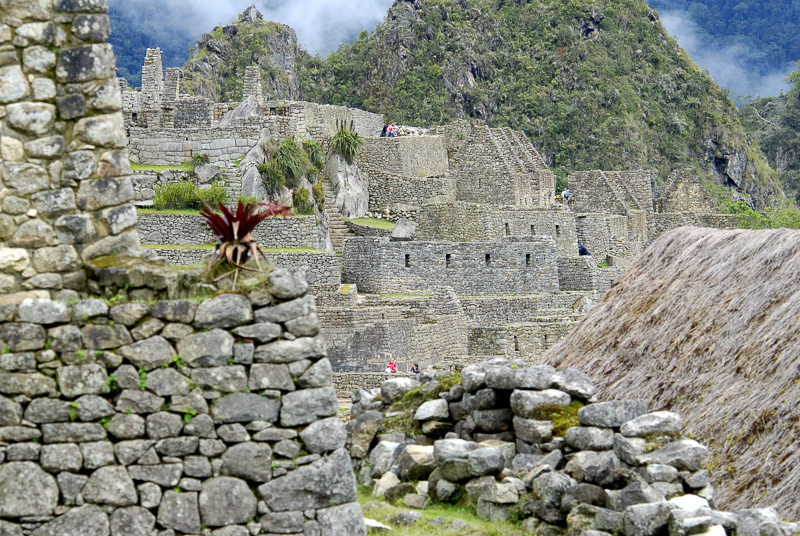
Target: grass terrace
x=372, y=222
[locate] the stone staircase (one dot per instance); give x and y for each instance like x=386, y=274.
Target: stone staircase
x=338, y=228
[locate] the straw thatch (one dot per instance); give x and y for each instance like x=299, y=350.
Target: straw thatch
x=707, y=323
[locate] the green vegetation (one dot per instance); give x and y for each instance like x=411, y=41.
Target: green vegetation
x=301, y=202
x=413, y=399
x=286, y=162
x=319, y=195
x=142, y=379
x=372, y=222
x=562, y=417
x=185, y=195
x=772, y=217
x=210, y=247
x=347, y=143
x=186, y=166
x=293, y=162
x=450, y=513
x=199, y=159
x=315, y=152
x=246, y=199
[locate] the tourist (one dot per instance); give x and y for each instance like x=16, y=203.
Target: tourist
x=384, y=131
x=582, y=250
x=565, y=196
x=395, y=130
x=389, y=131
x=391, y=366
x=415, y=368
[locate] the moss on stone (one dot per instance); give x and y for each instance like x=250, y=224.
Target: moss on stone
x=562, y=417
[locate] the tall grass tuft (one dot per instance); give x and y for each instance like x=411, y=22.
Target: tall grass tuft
x=315, y=153
x=302, y=203
x=271, y=176
x=292, y=161
x=185, y=195
x=348, y=143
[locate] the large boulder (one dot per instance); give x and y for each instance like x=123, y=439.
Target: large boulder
x=226, y=501
x=87, y=520
x=350, y=186
x=394, y=388
x=416, y=462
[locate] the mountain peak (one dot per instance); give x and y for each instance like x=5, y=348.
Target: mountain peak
x=251, y=14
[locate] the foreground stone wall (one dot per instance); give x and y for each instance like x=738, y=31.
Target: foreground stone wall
x=300, y=232
x=66, y=189
x=409, y=156
x=470, y=268
x=173, y=416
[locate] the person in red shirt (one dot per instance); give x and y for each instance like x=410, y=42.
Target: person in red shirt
x=391, y=366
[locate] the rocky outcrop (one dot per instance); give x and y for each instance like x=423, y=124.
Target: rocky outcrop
x=350, y=186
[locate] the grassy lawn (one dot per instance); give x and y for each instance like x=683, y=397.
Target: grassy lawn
x=440, y=512
x=372, y=222
x=186, y=166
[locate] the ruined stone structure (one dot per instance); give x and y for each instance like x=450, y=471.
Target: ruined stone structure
x=66, y=189
x=487, y=225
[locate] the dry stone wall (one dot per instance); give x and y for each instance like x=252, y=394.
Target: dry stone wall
x=470, y=268
x=65, y=184
x=155, y=228
x=173, y=416
x=145, y=182
x=172, y=147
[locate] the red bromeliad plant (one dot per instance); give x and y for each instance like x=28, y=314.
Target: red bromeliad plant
x=233, y=231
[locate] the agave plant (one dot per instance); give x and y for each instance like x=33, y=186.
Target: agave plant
x=234, y=232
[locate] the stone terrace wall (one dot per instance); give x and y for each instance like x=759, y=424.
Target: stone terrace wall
x=466, y=222
x=499, y=311
x=582, y=273
x=684, y=193
x=157, y=228
x=321, y=268
x=407, y=195
x=64, y=169
x=104, y=427
x=410, y=156
x=471, y=268
x=365, y=230
x=171, y=147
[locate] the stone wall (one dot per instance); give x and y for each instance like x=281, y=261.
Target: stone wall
x=193, y=112
x=525, y=340
x=154, y=228
x=465, y=222
x=501, y=310
x=411, y=156
x=684, y=193
x=470, y=268
x=669, y=221
x=582, y=273
x=322, y=268
x=365, y=230
x=406, y=195
x=611, y=192
x=65, y=171
x=172, y=417
x=172, y=147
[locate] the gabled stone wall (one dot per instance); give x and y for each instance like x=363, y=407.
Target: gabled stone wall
x=176, y=416
x=65, y=187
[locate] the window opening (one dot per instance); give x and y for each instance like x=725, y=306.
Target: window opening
x=527, y=259
x=447, y=260
x=408, y=260
x=488, y=259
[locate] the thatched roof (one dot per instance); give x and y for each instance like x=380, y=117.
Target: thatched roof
x=707, y=323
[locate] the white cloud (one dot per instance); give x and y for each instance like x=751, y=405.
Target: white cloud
x=726, y=65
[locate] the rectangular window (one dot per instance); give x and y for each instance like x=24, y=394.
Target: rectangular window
x=408, y=260
x=558, y=231
x=488, y=259
x=508, y=230
x=533, y=231
x=527, y=259
x=516, y=344
x=447, y=260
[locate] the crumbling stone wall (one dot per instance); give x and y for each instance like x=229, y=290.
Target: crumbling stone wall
x=172, y=416
x=299, y=232
x=684, y=193
x=65, y=188
x=410, y=156
x=470, y=268
x=500, y=310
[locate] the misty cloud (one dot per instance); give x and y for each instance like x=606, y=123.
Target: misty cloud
x=321, y=25
x=726, y=65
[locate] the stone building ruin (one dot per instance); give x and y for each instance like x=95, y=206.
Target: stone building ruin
x=481, y=202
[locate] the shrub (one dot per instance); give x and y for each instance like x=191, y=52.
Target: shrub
x=319, y=195
x=248, y=200
x=199, y=159
x=184, y=195
x=347, y=143
x=271, y=176
x=270, y=147
x=315, y=153
x=301, y=202
x=212, y=195
x=293, y=161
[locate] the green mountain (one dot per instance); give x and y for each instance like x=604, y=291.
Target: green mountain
x=774, y=124
x=593, y=83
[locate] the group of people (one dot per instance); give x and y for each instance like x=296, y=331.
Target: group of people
x=391, y=367
x=390, y=130
x=582, y=249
